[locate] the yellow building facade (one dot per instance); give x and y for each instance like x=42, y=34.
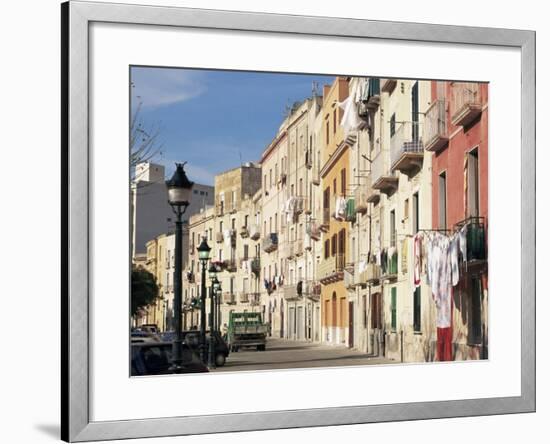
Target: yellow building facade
x=336, y=310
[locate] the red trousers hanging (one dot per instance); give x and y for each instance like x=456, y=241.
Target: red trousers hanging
x=444, y=344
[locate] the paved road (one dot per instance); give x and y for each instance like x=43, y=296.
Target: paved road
x=282, y=353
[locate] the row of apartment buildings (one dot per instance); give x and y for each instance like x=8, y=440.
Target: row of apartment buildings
x=364, y=223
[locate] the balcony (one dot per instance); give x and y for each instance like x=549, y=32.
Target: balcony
x=228, y=298
x=255, y=266
x=299, y=205
x=270, y=243
x=325, y=223
x=349, y=279
x=312, y=290
x=290, y=292
x=466, y=104
x=243, y=297
x=331, y=269
x=372, y=273
x=316, y=175
x=244, y=232
x=254, y=232
x=361, y=196
x=254, y=298
x=436, y=136
x=287, y=250
x=313, y=230
x=230, y=265
x=308, y=205
x=406, y=148
x=475, y=239
x=381, y=179
x=388, y=85
x=219, y=237
x=298, y=246
x=308, y=160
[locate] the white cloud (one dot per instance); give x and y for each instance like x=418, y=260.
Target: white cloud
x=156, y=87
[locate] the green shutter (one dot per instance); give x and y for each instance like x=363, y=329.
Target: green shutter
x=394, y=308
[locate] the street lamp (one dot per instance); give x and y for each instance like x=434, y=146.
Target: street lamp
x=179, y=194
x=215, y=287
x=204, y=255
x=212, y=274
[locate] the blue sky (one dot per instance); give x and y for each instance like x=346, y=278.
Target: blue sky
x=213, y=119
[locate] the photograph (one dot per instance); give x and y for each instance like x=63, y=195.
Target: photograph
x=293, y=221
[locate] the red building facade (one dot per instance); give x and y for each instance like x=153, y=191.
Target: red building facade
x=457, y=133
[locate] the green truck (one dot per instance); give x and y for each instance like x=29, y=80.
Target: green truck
x=246, y=330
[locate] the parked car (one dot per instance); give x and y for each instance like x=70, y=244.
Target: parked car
x=150, y=328
x=142, y=336
x=156, y=359
x=192, y=338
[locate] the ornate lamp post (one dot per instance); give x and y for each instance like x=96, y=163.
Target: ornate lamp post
x=215, y=287
x=212, y=274
x=179, y=194
x=204, y=256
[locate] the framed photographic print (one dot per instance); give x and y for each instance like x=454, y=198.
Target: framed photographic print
x=334, y=217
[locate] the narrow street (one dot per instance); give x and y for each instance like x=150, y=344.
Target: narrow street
x=281, y=353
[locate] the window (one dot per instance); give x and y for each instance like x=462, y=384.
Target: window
x=334, y=246
x=300, y=188
x=326, y=198
x=231, y=285
x=442, y=201
x=334, y=121
x=327, y=132
x=415, y=214
x=473, y=184
x=233, y=222
x=245, y=252
x=221, y=226
x=392, y=125
x=343, y=181
x=334, y=191
x=475, y=333
x=416, y=310
x=210, y=233
x=276, y=220
x=327, y=249
x=270, y=178
x=334, y=309
x=394, y=308
x=246, y=220
x=276, y=173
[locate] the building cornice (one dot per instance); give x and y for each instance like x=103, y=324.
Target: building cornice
x=334, y=158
